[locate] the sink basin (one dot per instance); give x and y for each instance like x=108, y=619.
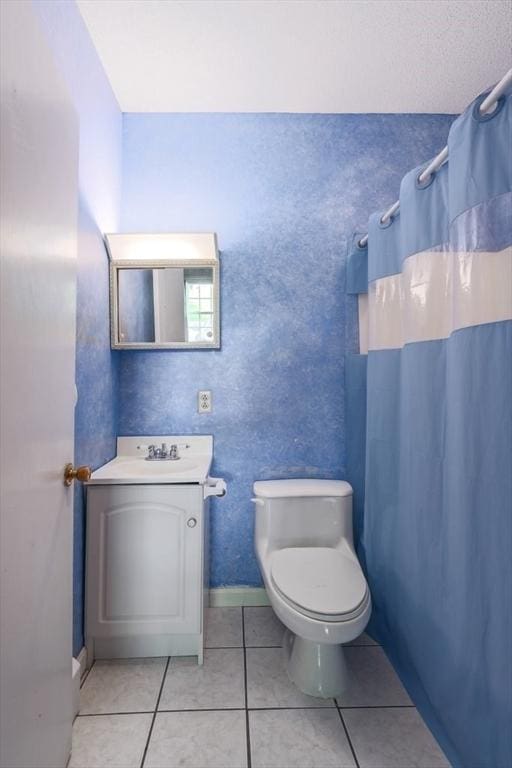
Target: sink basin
x=131, y=468
x=151, y=468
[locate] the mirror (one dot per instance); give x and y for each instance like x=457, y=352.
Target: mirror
x=164, y=303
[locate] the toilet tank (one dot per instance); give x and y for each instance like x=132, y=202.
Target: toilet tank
x=295, y=513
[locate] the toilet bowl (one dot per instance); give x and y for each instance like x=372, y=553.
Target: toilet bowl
x=305, y=551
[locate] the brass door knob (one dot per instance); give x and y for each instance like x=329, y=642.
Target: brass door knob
x=83, y=474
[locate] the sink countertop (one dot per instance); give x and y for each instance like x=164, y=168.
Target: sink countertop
x=130, y=465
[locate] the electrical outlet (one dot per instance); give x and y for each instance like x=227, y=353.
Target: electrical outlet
x=204, y=401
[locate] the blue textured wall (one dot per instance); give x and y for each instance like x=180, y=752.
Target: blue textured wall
x=96, y=414
x=100, y=143
x=283, y=192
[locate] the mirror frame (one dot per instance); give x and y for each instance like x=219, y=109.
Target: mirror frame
x=119, y=264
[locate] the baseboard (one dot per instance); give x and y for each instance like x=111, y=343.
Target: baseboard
x=82, y=660
x=146, y=646
x=76, y=670
x=222, y=597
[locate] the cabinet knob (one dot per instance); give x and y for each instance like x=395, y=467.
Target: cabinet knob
x=192, y=522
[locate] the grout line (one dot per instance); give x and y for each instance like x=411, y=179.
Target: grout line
x=234, y=647
x=243, y=629
x=377, y=706
x=281, y=709
x=237, y=647
x=208, y=709
x=242, y=709
x=348, y=738
x=223, y=647
x=352, y=645
x=263, y=646
x=155, y=712
x=247, y=732
x=107, y=714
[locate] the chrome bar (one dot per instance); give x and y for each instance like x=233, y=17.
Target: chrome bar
x=486, y=107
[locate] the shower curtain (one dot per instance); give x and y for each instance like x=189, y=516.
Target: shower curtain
x=437, y=532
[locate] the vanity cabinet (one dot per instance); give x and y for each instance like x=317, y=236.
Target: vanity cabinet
x=146, y=570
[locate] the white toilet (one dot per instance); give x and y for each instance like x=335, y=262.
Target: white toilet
x=305, y=551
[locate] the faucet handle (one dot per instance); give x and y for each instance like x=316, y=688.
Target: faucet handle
x=173, y=452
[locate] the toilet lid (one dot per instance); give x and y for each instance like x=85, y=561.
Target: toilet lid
x=320, y=580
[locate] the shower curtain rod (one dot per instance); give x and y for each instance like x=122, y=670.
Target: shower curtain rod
x=487, y=106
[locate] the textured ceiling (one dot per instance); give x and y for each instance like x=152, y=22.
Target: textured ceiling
x=300, y=55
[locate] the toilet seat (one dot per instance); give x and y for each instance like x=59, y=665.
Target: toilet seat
x=320, y=582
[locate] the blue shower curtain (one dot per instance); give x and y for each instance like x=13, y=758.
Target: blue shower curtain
x=355, y=389
x=437, y=531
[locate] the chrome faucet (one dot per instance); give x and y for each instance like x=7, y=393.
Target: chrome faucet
x=162, y=454
x=155, y=453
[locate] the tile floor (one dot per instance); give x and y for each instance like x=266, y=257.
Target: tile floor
x=240, y=710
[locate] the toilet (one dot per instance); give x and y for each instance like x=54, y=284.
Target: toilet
x=305, y=551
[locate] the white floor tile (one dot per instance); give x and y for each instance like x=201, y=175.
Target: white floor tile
x=223, y=628
x=299, y=738
x=198, y=740
x=218, y=684
x=372, y=681
x=123, y=685
x=262, y=627
x=116, y=741
x=392, y=738
x=268, y=684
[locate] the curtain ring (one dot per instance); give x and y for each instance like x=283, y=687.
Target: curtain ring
x=477, y=115
x=388, y=222
x=426, y=182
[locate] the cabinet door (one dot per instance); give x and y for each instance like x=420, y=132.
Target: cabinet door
x=144, y=562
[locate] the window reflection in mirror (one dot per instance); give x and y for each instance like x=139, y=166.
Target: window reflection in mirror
x=165, y=305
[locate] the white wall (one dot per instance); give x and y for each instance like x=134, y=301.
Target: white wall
x=97, y=108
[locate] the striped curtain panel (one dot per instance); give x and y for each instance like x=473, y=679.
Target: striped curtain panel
x=438, y=479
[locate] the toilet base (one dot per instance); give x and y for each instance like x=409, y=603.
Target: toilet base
x=317, y=669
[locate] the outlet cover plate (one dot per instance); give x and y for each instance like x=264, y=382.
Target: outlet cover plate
x=204, y=401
